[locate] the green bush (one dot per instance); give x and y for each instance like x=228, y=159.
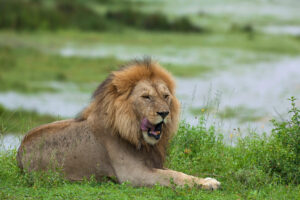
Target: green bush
x=284, y=146
x=279, y=154
x=79, y=16
x=196, y=149
x=152, y=22
x=256, y=160
x=32, y=15
x=61, y=14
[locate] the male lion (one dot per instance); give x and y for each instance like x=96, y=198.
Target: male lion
x=123, y=132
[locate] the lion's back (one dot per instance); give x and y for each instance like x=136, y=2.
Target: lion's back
x=35, y=140
x=66, y=143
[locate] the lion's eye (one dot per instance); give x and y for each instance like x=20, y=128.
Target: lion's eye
x=166, y=96
x=146, y=96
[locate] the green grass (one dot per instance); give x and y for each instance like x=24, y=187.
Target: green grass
x=258, y=167
x=281, y=44
x=21, y=121
x=13, y=188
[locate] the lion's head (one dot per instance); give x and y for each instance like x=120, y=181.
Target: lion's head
x=137, y=103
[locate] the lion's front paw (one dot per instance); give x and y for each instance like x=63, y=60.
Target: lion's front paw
x=210, y=184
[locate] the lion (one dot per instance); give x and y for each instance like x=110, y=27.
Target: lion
x=123, y=133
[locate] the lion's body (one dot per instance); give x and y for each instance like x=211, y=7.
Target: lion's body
x=123, y=133
x=70, y=144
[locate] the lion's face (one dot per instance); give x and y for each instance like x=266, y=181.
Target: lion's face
x=138, y=104
x=151, y=100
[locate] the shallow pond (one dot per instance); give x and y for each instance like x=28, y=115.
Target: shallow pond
x=286, y=29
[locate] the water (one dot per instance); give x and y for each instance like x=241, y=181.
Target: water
x=56, y=104
x=286, y=29
x=9, y=141
x=67, y=102
x=263, y=88
x=188, y=56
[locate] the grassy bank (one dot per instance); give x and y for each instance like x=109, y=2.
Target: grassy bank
x=43, y=40
x=21, y=121
x=258, y=167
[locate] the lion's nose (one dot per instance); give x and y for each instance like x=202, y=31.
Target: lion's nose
x=163, y=114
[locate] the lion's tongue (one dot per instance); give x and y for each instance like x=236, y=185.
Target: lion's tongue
x=146, y=125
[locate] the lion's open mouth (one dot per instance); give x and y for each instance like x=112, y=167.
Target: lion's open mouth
x=152, y=130
x=157, y=131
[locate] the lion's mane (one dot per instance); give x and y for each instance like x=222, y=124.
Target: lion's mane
x=110, y=99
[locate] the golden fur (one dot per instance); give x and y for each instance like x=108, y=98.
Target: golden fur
x=111, y=95
x=107, y=136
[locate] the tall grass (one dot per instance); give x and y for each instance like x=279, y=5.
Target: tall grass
x=253, y=162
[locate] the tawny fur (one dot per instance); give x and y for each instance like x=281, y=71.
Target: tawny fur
x=106, y=138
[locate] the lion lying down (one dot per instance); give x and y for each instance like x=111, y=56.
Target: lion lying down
x=123, y=132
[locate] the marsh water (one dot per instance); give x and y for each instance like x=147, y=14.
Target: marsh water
x=10, y=141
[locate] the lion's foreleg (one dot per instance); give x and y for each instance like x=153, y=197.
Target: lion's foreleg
x=166, y=177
